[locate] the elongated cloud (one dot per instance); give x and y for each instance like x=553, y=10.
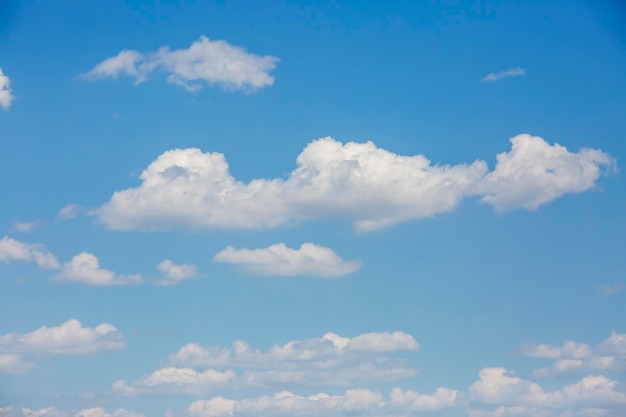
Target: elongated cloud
x=330, y=360
x=70, y=338
x=279, y=260
x=511, y=72
x=12, y=250
x=84, y=268
x=213, y=62
x=6, y=94
x=573, y=357
x=355, y=402
x=369, y=186
x=55, y=412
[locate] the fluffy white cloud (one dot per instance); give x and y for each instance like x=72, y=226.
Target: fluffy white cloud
x=279, y=260
x=372, y=187
x=13, y=250
x=511, y=72
x=70, y=338
x=11, y=363
x=213, y=62
x=84, y=268
x=330, y=360
x=23, y=227
x=6, y=95
x=498, y=392
x=574, y=357
x=355, y=402
x=174, y=274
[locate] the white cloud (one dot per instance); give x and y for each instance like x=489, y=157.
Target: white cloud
x=69, y=212
x=369, y=186
x=354, y=402
x=329, y=360
x=511, y=72
x=500, y=393
x=6, y=95
x=573, y=357
x=183, y=381
x=213, y=62
x=55, y=412
x=23, y=227
x=13, y=250
x=279, y=260
x=70, y=338
x=174, y=274
x=84, y=268
x=11, y=363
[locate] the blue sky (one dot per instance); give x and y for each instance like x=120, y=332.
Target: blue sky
x=339, y=208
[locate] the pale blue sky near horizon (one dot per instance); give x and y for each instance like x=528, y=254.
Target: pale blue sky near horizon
x=470, y=284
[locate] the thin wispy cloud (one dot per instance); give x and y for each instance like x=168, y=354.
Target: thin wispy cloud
x=507, y=73
x=608, y=290
x=213, y=62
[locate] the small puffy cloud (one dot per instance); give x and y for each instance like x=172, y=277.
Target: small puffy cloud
x=354, y=402
x=84, y=268
x=13, y=250
x=511, y=72
x=173, y=274
x=69, y=212
x=607, y=290
x=11, y=363
x=213, y=62
x=330, y=360
x=279, y=260
x=369, y=186
x=70, y=338
x=573, y=357
x=23, y=227
x=6, y=95
x=534, y=173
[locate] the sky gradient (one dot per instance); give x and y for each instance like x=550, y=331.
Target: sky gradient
x=338, y=208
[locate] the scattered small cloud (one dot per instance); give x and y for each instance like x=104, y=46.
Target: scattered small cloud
x=13, y=250
x=511, y=72
x=6, y=94
x=22, y=227
x=69, y=212
x=13, y=364
x=574, y=357
x=173, y=274
x=213, y=62
x=608, y=290
x=56, y=412
x=84, y=268
x=279, y=260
